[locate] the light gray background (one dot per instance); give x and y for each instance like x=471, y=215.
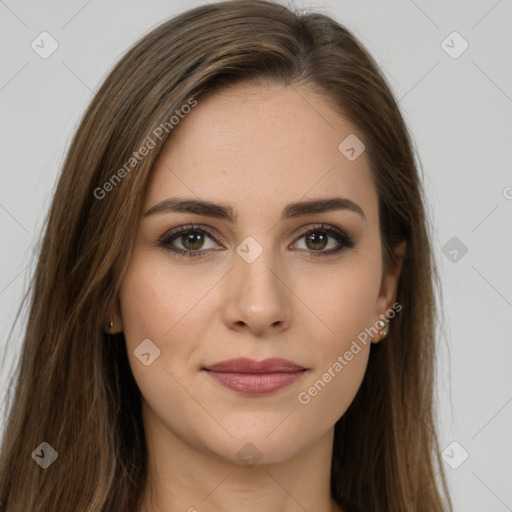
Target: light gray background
x=459, y=113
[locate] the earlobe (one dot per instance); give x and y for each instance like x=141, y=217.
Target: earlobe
x=383, y=325
x=112, y=323
x=383, y=328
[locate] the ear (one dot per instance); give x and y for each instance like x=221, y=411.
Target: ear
x=112, y=315
x=389, y=286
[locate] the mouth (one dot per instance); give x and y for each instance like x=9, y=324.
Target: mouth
x=252, y=377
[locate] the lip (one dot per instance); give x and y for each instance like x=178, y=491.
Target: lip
x=253, y=377
x=246, y=365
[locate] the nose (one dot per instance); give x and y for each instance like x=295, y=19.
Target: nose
x=257, y=298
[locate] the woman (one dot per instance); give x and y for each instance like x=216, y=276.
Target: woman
x=233, y=306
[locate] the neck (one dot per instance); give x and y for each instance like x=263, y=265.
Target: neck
x=185, y=478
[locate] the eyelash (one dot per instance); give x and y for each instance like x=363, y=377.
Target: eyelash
x=342, y=238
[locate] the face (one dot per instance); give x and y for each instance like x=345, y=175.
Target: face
x=270, y=282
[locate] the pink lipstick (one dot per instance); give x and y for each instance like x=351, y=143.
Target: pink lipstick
x=255, y=377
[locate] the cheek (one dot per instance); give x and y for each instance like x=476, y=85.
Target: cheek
x=157, y=301
x=154, y=308
x=345, y=306
x=343, y=300
x=170, y=307
x=341, y=357
x=330, y=391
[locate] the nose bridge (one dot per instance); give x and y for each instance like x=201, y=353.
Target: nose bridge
x=256, y=277
x=257, y=295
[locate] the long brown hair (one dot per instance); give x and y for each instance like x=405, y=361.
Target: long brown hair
x=73, y=386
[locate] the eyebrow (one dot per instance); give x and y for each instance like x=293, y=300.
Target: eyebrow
x=225, y=212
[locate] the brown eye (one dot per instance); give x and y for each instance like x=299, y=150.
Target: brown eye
x=193, y=240
x=188, y=241
x=317, y=240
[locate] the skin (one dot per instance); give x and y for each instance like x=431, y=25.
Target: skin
x=256, y=148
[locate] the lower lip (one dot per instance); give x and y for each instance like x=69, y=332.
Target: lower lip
x=256, y=383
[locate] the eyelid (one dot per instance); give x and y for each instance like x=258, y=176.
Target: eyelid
x=215, y=235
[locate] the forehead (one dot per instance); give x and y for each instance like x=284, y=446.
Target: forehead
x=248, y=144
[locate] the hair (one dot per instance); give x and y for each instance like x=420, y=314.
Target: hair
x=74, y=388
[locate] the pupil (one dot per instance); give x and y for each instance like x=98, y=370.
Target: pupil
x=192, y=241
x=317, y=238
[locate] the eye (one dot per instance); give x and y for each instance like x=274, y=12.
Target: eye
x=191, y=238
x=317, y=240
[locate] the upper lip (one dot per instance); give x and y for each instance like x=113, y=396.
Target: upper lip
x=246, y=365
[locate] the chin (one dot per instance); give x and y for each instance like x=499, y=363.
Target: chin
x=255, y=446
